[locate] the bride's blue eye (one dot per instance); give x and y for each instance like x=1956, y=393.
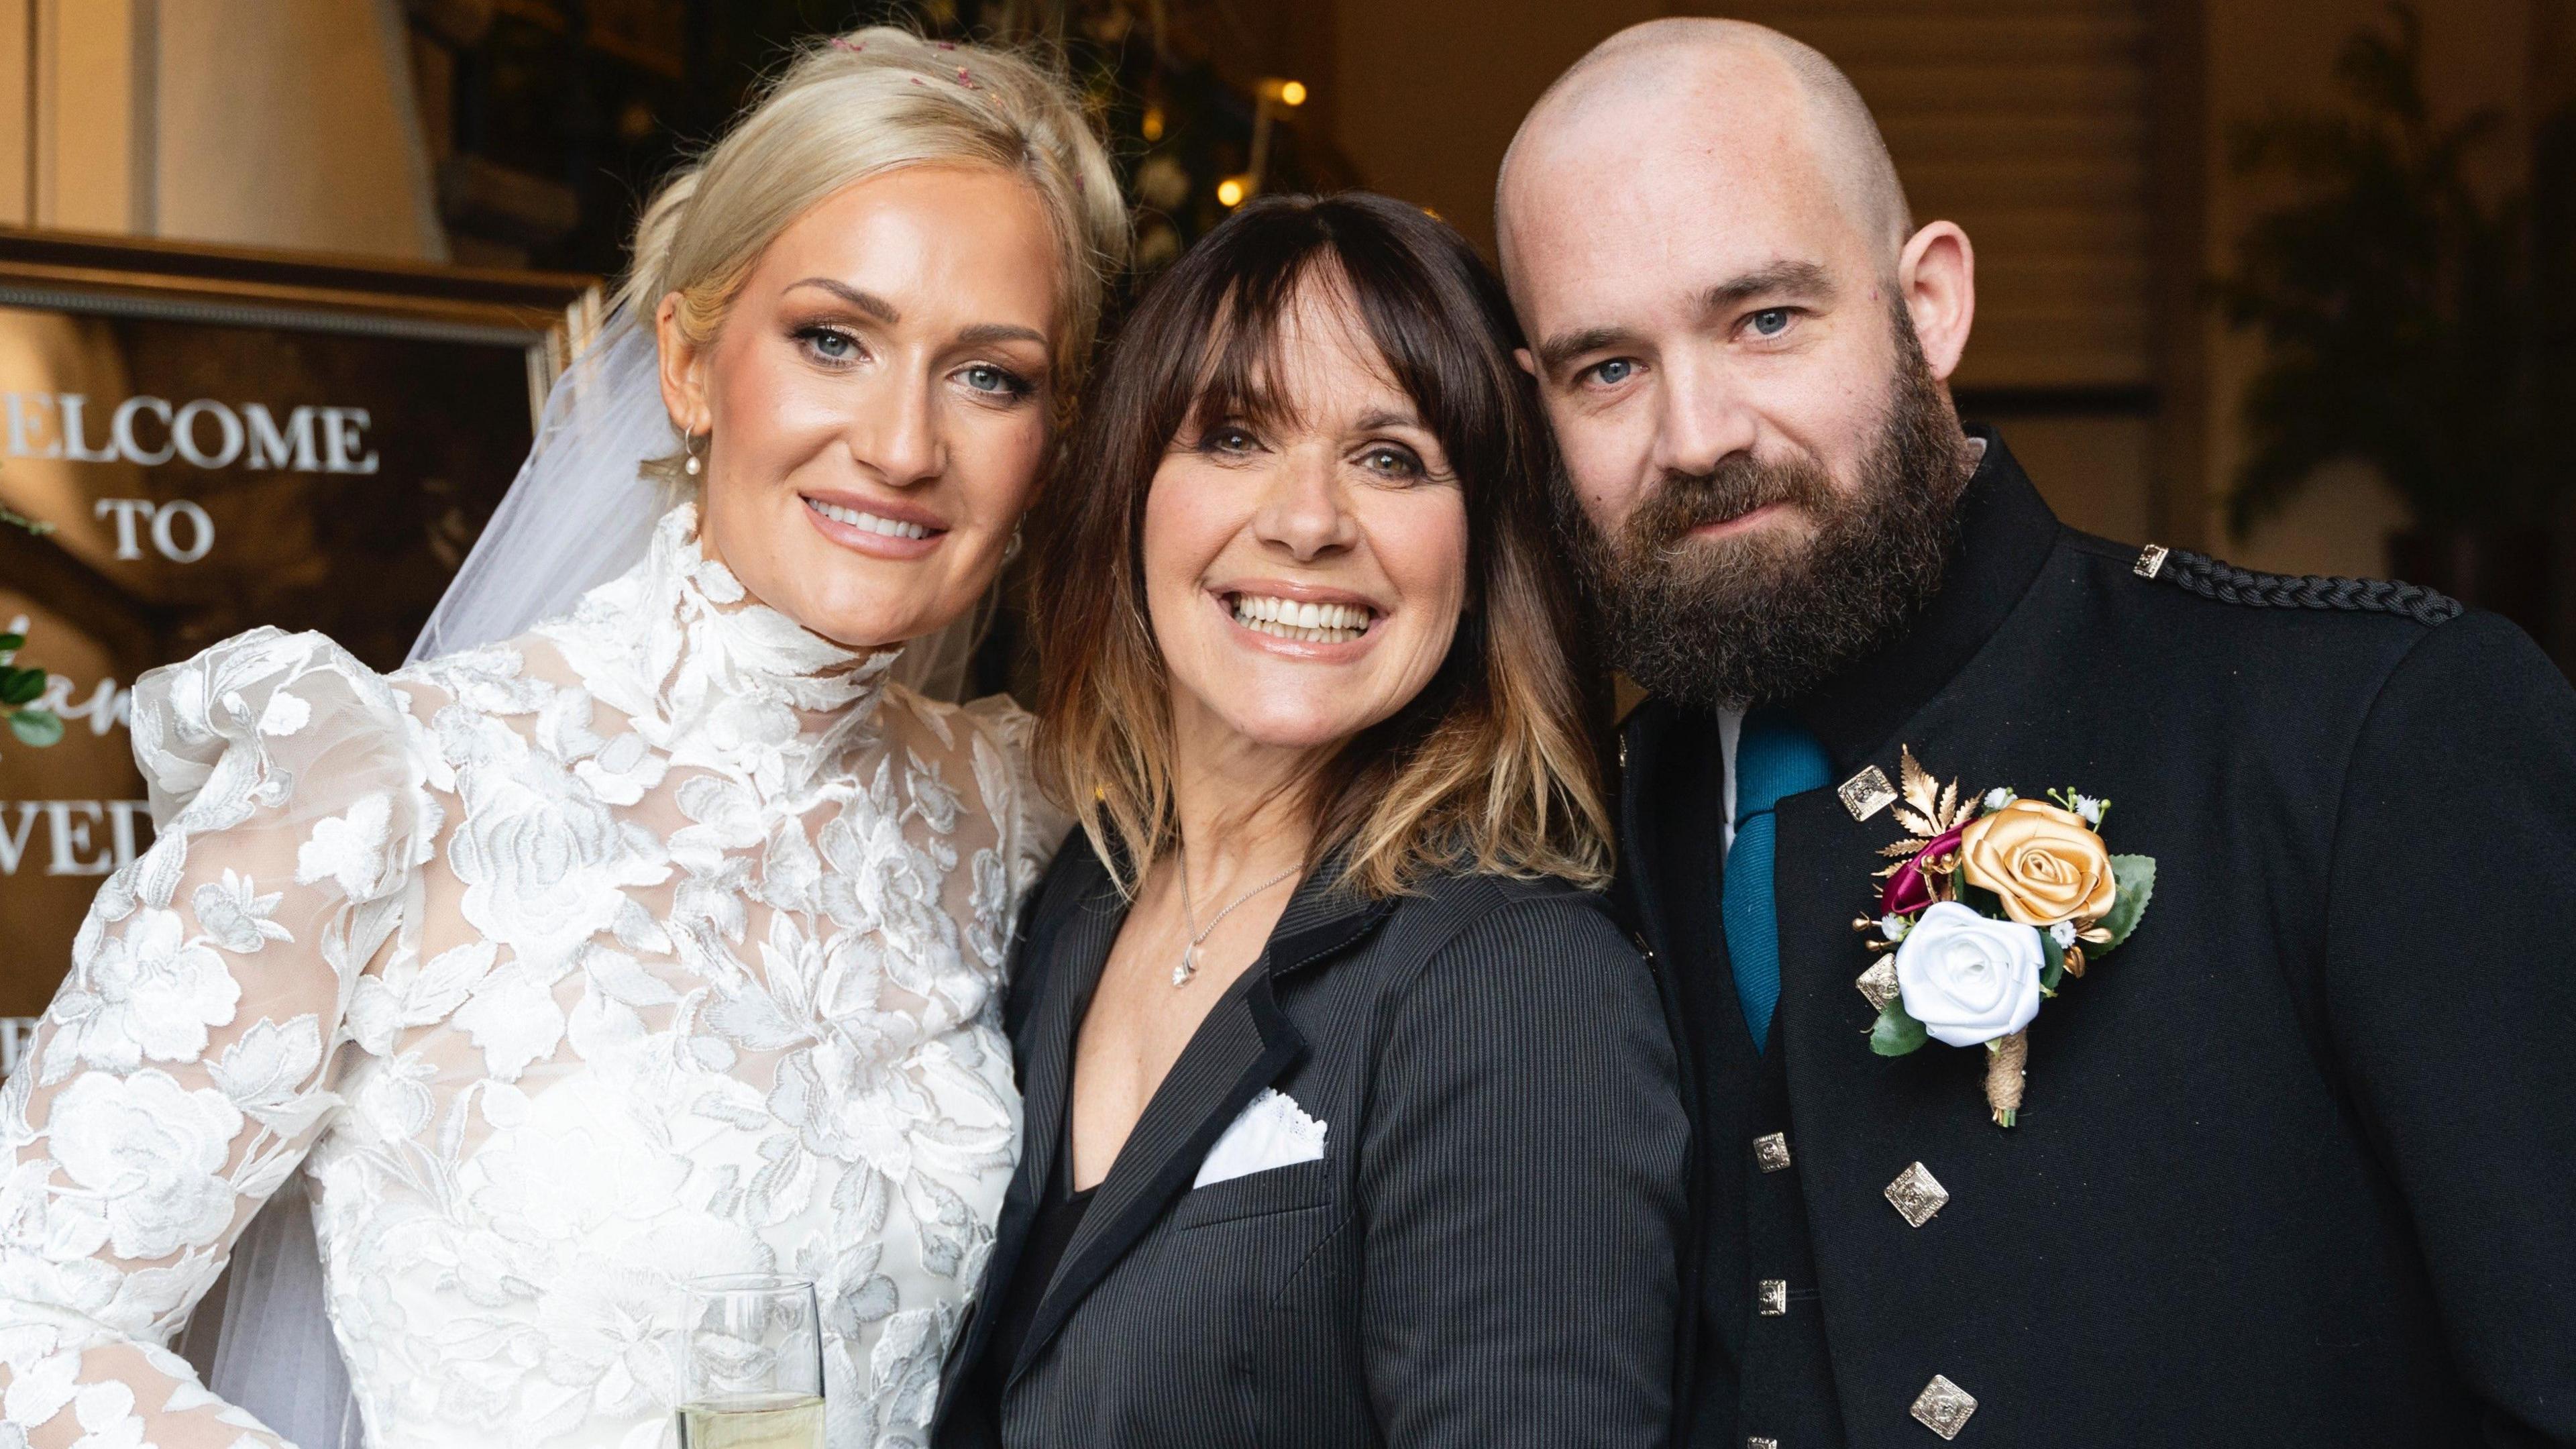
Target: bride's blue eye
x=829, y=343
x=1000, y=382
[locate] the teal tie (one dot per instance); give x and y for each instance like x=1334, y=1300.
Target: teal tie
x=1775, y=758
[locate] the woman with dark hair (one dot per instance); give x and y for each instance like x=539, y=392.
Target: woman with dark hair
x=1351, y=1119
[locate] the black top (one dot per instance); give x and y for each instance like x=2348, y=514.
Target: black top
x=1054, y=1228
x=1484, y=1257
x=2291, y=1165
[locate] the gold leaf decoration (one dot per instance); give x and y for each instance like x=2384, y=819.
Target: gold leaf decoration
x=1920, y=790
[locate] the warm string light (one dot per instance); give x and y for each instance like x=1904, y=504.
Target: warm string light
x=1270, y=96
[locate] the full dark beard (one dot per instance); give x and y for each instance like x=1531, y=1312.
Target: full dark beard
x=1760, y=619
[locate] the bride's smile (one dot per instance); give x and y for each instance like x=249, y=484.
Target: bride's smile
x=880, y=529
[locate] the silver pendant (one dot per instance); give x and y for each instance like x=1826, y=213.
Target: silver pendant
x=1187, y=967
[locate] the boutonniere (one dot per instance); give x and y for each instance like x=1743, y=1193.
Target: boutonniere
x=1991, y=903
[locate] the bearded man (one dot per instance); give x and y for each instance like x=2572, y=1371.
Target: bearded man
x=2289, y=1164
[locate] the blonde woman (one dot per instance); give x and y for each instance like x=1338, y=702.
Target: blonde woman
x=658, y=940
x=1352, y=1119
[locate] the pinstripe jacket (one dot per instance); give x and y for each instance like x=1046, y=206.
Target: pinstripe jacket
x=1486, y=1254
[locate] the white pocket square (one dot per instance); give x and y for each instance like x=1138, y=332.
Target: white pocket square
x=1272, y=1132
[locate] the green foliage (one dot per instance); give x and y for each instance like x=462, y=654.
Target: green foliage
x=2136, y=878
x=1896, y=1033
x=2397, y=305
x=19, y=691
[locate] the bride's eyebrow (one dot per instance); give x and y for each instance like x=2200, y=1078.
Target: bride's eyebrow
x=985, y=333
x=867, y=302
x=982, y=334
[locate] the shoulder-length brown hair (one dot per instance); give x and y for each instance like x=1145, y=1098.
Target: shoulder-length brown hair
x=1492, y=765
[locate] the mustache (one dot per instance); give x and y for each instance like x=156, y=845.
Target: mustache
x=1739, y=484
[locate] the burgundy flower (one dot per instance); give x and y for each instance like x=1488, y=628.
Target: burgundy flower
x=1907, y=891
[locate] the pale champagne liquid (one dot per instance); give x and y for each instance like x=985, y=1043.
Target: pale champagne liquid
x=753, y=1421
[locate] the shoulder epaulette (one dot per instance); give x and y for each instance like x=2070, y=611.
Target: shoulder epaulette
x=2225, y=582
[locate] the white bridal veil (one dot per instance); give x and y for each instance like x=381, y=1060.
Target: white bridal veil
x=579, y=514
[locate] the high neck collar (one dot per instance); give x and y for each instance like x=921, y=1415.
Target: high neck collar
x=2005, y=533
x=681, y=647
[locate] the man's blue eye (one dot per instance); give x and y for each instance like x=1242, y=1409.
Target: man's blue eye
x=1615, y=371
x=1771, y=321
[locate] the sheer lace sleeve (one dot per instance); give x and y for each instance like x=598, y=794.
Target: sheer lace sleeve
x=1032, y=825
x=184, y=1066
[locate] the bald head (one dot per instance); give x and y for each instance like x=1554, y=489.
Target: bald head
x=1686, y=86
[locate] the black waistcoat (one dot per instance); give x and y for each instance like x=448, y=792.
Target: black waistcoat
x=2292, y=1164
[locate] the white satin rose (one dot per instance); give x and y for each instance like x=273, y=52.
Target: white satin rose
x=1969, y=978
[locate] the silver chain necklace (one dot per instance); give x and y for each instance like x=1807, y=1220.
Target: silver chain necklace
x=1188, y=965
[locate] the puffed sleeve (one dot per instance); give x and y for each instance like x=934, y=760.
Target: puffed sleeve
x=183, y=1067
x=2451, y=999
x=1522, y=1179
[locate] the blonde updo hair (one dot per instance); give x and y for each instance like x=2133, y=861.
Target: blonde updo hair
x=850, y=107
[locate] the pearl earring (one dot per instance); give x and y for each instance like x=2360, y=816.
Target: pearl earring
x=689, y=447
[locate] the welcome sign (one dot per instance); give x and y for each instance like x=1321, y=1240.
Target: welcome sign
x=205, y=440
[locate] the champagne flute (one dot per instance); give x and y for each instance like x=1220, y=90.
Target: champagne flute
x=751, y=1373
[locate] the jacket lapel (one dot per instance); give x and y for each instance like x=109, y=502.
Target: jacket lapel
x=1245, y=1044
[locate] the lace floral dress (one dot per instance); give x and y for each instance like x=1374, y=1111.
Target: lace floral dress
x=660, y=942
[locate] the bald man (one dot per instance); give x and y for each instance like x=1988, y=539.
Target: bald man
x=2290, y=1167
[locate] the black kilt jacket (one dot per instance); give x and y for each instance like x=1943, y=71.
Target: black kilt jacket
x=2296, y=1164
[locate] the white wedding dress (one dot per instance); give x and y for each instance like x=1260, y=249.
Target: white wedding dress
x=661, y=941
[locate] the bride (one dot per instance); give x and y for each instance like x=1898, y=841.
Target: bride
x=656, y=941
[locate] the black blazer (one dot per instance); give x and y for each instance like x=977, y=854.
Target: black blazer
x=2294, y=1164
x=1485, y=1255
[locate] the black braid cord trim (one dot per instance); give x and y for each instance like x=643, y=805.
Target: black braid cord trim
x=2212, y=579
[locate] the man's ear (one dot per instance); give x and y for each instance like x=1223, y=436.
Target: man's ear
x=1937, y=276
x=1528, y=363
x=683, y=370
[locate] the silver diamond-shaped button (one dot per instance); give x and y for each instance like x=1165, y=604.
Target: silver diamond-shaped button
x=1943, y=1407
x=1771, y=1151
x=1878, y=983
x=1867, y=793
x=1771, y=1298
x=1917, y=1194
x=1758, y=1442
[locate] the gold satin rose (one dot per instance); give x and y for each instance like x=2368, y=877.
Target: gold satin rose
x=2044, y=863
